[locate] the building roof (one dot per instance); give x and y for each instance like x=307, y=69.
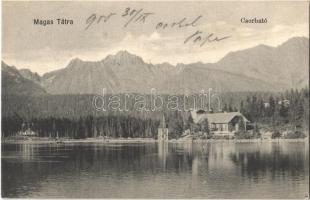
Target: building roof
x=217, y=118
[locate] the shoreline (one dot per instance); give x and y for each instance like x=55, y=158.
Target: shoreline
x=73, y=141
x=139, y=140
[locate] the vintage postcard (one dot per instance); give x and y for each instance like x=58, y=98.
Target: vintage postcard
x=155, y=99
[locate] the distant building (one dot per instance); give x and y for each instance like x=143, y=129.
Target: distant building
x=163, y=131
x=266, y=135
x=224, y=124
x=266, y=105
x=186, y=132
x=27, y=132
x=285, y=102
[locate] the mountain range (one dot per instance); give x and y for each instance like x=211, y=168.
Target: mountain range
x=13, y=82
x=261, y=68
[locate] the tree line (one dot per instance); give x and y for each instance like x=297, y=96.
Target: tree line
x=74, y=116
x=113, y=126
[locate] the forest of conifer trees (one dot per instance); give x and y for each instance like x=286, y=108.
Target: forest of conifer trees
x=73, y=116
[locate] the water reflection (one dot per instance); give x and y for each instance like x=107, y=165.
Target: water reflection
x=284, y=160
x=163, y=153
x=158, y=170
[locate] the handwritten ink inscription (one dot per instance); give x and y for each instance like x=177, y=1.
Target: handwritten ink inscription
x=94, y=18
x=202, y=38
x=180, y=24
x=140, y=17
x=135, y=15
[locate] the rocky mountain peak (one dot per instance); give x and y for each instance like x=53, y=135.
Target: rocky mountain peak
x=28, y=74
x=75, y=62
x=123, y=58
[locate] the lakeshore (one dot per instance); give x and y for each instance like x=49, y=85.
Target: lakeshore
x=43, y=140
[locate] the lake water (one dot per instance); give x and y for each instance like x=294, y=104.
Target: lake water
x=221, y=169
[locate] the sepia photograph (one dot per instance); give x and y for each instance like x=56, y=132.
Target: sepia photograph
x=155, y=99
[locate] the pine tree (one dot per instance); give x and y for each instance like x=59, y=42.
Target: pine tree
x=205, y=126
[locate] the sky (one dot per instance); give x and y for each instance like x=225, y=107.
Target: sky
x=47, y=48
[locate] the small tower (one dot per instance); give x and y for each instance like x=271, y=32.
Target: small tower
x=162, y=130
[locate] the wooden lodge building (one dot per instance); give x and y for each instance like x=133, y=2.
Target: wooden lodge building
x=221, y=124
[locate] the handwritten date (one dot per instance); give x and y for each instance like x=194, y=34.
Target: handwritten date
x=135, y=15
